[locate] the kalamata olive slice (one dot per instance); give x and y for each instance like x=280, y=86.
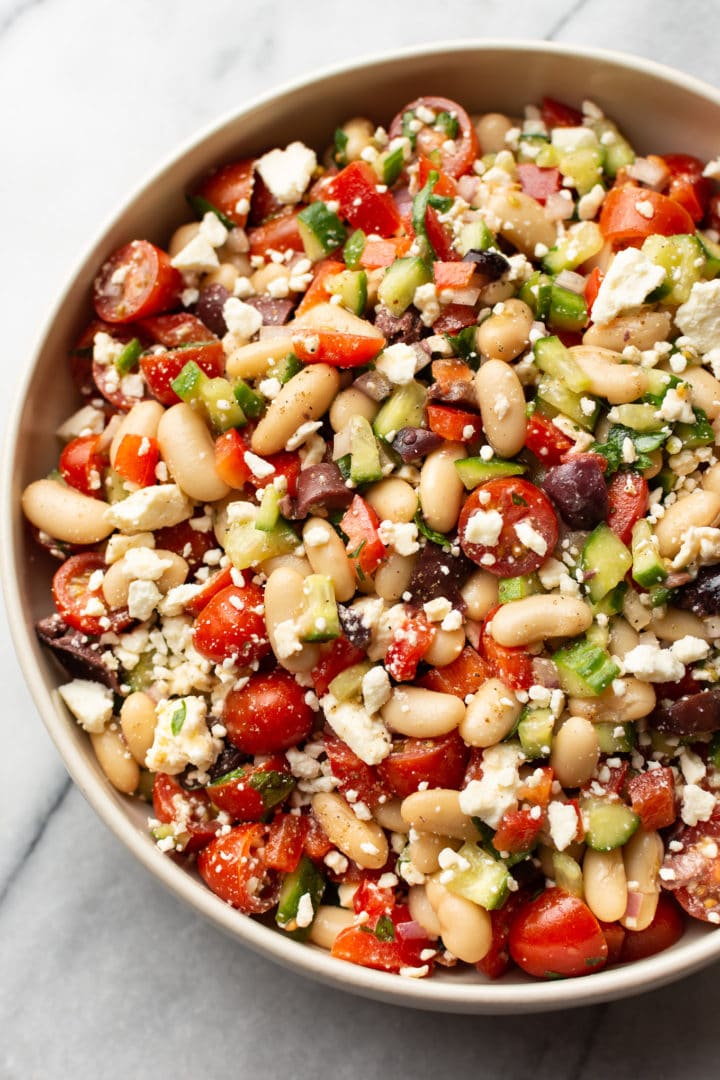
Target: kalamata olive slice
x=406, y=328
x=210, y=306
x=413, y=443
x=690, y=715
x=490, y=264
x=702, y=596
x=439, y=573
x=274, y=310
x=373, y=383
x=354, y=628
x=578, y=489
x=321, y=486
x=230, y=758
x=79, y=658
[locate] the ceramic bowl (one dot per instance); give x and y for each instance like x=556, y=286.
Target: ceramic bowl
x=658, y=109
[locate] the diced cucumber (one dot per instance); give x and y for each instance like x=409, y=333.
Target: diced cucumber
x=694, y=435
x=683, y=259
x=285, y=369
x=568, y=310
x=579, y=244
x=252, y=404
x=517, y=588
x=476, y=470
x=485, y=882
x=347, y=686
x=529, y=146
x=583, y=167
x=547, y=156
x=319, y=620
x=404, y=408
x=535, y=731
x=552, y=357
x=617, y=151
x=389, y=165
x=567, y=873
x=599, y=635
x=643, y=417
x=554, y=397
x=114, y=486
x=605, y=561
x=306, y=880
x=475, y=236
x=612, y=603
x=402, y=278
x=141, y=676
x=351, y=287
x=269, y=513
x=128, y=358
x=365, y=467
x=214, y=398
x=321, y=230
x=536, y=292
x=609, y=825
x=247, y=546
x=711, y=251
x=647, y=565
x=354, y=248
x=615, y=738
x=585, y=669
x=658, y=384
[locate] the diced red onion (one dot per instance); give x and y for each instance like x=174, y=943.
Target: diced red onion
x=467, y=187
x=558, y=207
x=568, y=279
x=467, y=297
x=341, y=443
x=634, y=904
x=545, y=673
x=472, y=632
x=410, y=931
x=652, y=173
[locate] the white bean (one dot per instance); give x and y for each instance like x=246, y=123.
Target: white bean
x=64, y=513
x=605, y=884
x=643, y=856
x=441, y=490
x=636, y=699
x=137, y=721
x=480, y=593
x=349, y=403
x=284, y=602
x=491, y=715
x=491, y=129
x=676, y=624
x=575, y=752
x=388, y=815
x=465, y=927
x=189, y=452
x=115, y=759
x=505, y=333
x=362, y=841
x=522, y=220
x=393, y=499
x=423, y=714
x=328, y=923
x=306, y=397
x=699, y=508
x=422, y=911
x=445, y=647
x=534, y=618
x=501, y=401
x=252, y=360
x=424, y=849
x=438, y=811
x=642, y=330
x=705, y=390
x=618, y=383
x=393, y=577
x=330, y=557
x=117, y=579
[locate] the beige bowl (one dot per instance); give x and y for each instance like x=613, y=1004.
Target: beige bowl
x=659, y=110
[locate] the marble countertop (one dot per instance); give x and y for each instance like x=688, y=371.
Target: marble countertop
x=101, y=972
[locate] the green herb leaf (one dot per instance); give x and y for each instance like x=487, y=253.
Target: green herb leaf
x=201, y=207
x=448, y=124
x=272, y=786
x=340, y=140
x=129, y=357
x=463, y=345
x=407, y=131
x=384, y=929
x=354, y=248
x=644, y=443
x=419, y=210
x=392, y=166
x=430, y=534
x=178, y=718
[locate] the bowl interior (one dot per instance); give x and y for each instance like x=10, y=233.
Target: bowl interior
x=657, y=109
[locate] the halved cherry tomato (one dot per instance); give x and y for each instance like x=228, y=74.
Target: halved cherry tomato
x=229, y=186
x=666, y=928
x=212, y=587
x=696, y=883
x=137, y=280
x=439, y=763
x=160, y=369
x=592, y=288
x=72, y=596
x=512, y=665
x=497, y=961
x=234, y=868
x=454, y=425
x=687, y=185
x=621, y=221
x=558, y=114
x=285, y=463
x=614, y=935
x=453, y=318
x=652, y=795
x=369, y=897
x=445, y=185
x=279, y=233
x=463, y=676
x=191, y=543
x=557, y=935
x=334, y=348
x=230, y=459
x=432, y=143
x=339, y=657
x=318, y=292
x=110, y=384
x=268, y=714
x=353, y=773
x=317, y=843
x=538, y=182
x=355, y=188
x=628, y=497
x=189, y=810
x=408, y=646
x=519, y=503
x=233, y=624
x=286, y=841
x=360, y=525
x=172, y=331
x=378, y=254
x=518, y=831
x=136, y=459
x=81, y=465
x=248, y=792
x=547, y=442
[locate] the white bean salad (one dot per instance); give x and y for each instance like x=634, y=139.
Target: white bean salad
x=389, y=540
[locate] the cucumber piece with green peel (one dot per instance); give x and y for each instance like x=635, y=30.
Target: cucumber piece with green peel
x=612, y=602
x=567, y=873
x=285, y=369
x=554, y=397
x=213, y=398
x=552, y=357
x=404, y=408
x=609, y=825
x=568, y=310
x=486, y=881
x=347, y=686
x=536, y=292
x=648, y=567
x=305, y=881
x=605, y=561
x=535, y=731
x=402, y=278
x=354, y=248
x=321, y=230
x=658, y=384
x=129, y=357
x=583, y=167
x=319, y=620
x=365, y=466
x=529, y=146
x=615, y=738
x=711, y=251
x=643, y=417
x=617, y=151
x=683, y=259
x=476, y=470
x=475, y=236
x=247, y=546
x=695, y=435
x=585, y=669
x=351, y=287
x=252, y=404
x=579, y=244
x=268, y=515
x=517, y=588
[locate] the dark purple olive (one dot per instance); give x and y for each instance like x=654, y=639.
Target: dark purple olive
x=355, y=630
x=578, y=489
x=405, y=328
x=690, y=715
x=230, y=758
x=701, y=596
x=77, y=656
x=376, y=385
x=209, y=308
x=439, y=573
x=321, y=486
x=491, y=264
x=413, y=443
x=274, y=311
x=455, y=392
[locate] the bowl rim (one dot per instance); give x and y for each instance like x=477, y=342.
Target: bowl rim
x=457, y=996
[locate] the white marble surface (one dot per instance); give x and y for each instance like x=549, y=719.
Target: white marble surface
x=101, y=972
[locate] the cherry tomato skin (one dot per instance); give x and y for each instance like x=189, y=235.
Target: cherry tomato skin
x=341, y=655
x=558, y=114
x=546, y=441
x=497, y=961
x=518, y=831
x=410, y=643
x=454, y=318
x=71, y=595
x=228, y=186
x=666, y=928
x=614, y=935
x=230, y=459
x=268, y=714
x=81, y=465
x=454, y=162
x=621, y=222
x=360, y=524
x=110, y=385
x=223, y=629
x=317, y=843
x=512, y=665
x=137, y=280
x=462, y=677
x=174, y=330
x=517, y=501
x=171, y=803
x=351, y=771
x=439, y=763
x=319, y=293
x=652, y=795
x=247, y=793
x=628, y=498
x=286, y=841
x=160, y=369
x=355, y=188
x=184, y=540
x=557, y=935
x=136, y=459
x=453, y=425
x=696, y=883
x=234, y=870
x=281, y=233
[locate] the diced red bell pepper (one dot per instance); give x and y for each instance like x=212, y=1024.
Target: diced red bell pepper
x=452, y=275
x=380, y=253
x=371, y=898
x=353, y=773
x=687, y=185
x=592, y=288
x=518, y=831
x=286, y=463
x=317, y=842
x=361, y=204
x=318, y=292
x=455, y=425
x=286, y=841
x=537, y=182
x=462, y=677
x=628, y=498
x=512, y=665
x=189, y=811
x=229, y=186
x=341, y=656
x=538, y=787
x=440, y=237
x=360, y=525
x=136, y=459
x=545, y=440
x=230, y=459
x=622, y=222
x=336, y=349
x=652, y=795
x=558, y=114
x=445, y=185
x=406, y=650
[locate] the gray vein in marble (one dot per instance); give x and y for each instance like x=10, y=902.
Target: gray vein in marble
x=565, y=19
x=16, y=13
x=34, y=839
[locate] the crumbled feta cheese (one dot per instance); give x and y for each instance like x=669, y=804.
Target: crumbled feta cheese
x=530, y=537
x=631, y=276
x=452, y=621
x=676, y=405
x=176, y=599
x=701, y=543
x=182, y=737
x=105, y=349
x=563, y=824
x=589, y=204
x=490, y=797
x=365, y=735
x=697, y=804
x=376, y=689
x=288, y=172
x=287, y=640
x=242, y=320
x=653, y=664
x=305, y=911
x=260, y=468
x=699, y=317
x=484, y=527
x=91, y=703
x=437, y=609
x=150, y=508
x=425, y=299
x=315, y=536
x=397, y=362
x=569, y=139
x=688, y=649
x=143, y=598
x=213, y=230
x=198, y=256
x=402, y=536
x=144, y=564
x=692, y=767
x=302, y=434
x=86, y=421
